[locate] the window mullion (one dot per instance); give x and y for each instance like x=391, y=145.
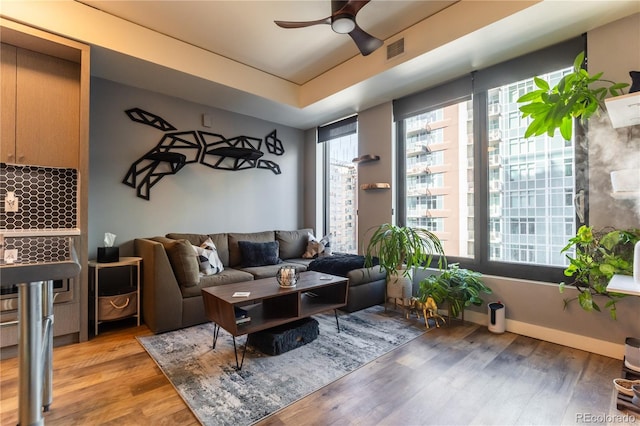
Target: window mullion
x=481, y=178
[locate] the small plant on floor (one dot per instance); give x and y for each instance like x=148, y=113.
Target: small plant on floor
x=456, y=286
x=598, y=256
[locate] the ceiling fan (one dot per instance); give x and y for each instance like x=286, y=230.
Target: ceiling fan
x=343, y=21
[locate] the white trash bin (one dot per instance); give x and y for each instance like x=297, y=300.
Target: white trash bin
x=496, y=317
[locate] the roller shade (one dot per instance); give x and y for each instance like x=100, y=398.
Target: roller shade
x=532, y=64
x=536, y=63
x=449, y=93
x=337, y=129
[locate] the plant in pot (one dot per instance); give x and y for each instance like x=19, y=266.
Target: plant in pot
x=456, y=286
x=553, y=108
x=399, y=250
x=579, y=95
x=599, y=254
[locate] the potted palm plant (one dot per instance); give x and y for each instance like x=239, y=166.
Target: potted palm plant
x=456, y=286
x=399, y=250
x=599, y=254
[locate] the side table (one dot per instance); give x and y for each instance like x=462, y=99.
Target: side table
x=113, y=306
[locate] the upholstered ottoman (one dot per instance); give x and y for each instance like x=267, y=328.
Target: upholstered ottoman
x=277, y=340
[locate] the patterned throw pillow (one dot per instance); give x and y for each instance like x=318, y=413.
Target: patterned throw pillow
x=208, y=258
x=317, y=248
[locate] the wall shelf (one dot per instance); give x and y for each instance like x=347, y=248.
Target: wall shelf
x=624, y=110
x=370, y=186
x=365, y=158
x=625, y=284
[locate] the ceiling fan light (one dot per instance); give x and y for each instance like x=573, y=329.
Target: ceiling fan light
x=343, y=24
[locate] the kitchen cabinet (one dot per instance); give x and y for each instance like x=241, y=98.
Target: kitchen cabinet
x=41, y=108
x=8, y=102
x=44, y=100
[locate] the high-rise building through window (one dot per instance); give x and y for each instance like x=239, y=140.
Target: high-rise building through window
x=340, y=147
x=343, y=189
x=529, y=183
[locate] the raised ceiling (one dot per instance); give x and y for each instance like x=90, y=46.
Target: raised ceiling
x=244, y=31
x=230, y=54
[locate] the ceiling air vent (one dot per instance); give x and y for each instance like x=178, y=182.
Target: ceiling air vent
x=394, y=49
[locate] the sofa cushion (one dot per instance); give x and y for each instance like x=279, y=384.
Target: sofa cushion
x=293, y=243
x=270, y=271
x=228, y=276
x=259, y=254
x=235, y=257
x=300, y=260
x=220, y=241
x=184, y=262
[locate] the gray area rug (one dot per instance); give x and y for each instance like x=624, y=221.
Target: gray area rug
x=219, y=395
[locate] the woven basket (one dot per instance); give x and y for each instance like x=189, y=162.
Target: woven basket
x=117, y=306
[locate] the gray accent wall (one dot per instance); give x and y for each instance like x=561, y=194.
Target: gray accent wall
x=197, y=199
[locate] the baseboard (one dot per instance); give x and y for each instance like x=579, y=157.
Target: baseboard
x=600, y=347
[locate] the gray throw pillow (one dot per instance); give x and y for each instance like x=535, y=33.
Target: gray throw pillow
x=184, y=263
x=259, y=254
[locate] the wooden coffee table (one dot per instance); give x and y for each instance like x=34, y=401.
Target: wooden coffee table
x=269, y=305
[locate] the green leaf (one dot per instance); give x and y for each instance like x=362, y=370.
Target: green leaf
x=607, y=269
x=593, y=78
x=586, y=301
x=534, y=127
x=531, y=96
x=542, y=84
x=566, y=128
x=577, y=62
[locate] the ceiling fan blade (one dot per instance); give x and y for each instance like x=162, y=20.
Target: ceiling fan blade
x=353, y=6
x=290, y=24
x=365, y=41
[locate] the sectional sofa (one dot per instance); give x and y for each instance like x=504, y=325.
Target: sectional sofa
x=172, y=282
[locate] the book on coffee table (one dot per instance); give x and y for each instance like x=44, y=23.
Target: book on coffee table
x=242, y=315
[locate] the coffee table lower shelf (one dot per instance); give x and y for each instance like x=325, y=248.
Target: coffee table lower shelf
x=269, y=305
x=240, y=362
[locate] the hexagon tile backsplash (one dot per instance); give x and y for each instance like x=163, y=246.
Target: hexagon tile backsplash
x=47, y=212
x=47, y=197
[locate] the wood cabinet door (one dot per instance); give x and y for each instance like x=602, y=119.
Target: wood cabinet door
x=7, y=103
x=47, y=110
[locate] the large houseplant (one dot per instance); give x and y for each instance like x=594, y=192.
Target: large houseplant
x=552, y=108
x=598, y=256
x=399, y=250
x=456, y=286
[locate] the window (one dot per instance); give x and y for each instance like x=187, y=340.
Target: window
x=340, y=141
x=509, y=199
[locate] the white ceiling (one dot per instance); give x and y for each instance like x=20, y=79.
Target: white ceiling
x=230, y=54
x=244, y=31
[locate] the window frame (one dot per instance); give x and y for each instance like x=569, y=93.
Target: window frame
x=325, y=135
x=482, y=202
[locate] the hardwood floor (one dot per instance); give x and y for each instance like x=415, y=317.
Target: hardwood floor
x=460, y=374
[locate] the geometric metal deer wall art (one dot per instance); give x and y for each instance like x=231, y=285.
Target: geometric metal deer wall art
x=179, y=148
